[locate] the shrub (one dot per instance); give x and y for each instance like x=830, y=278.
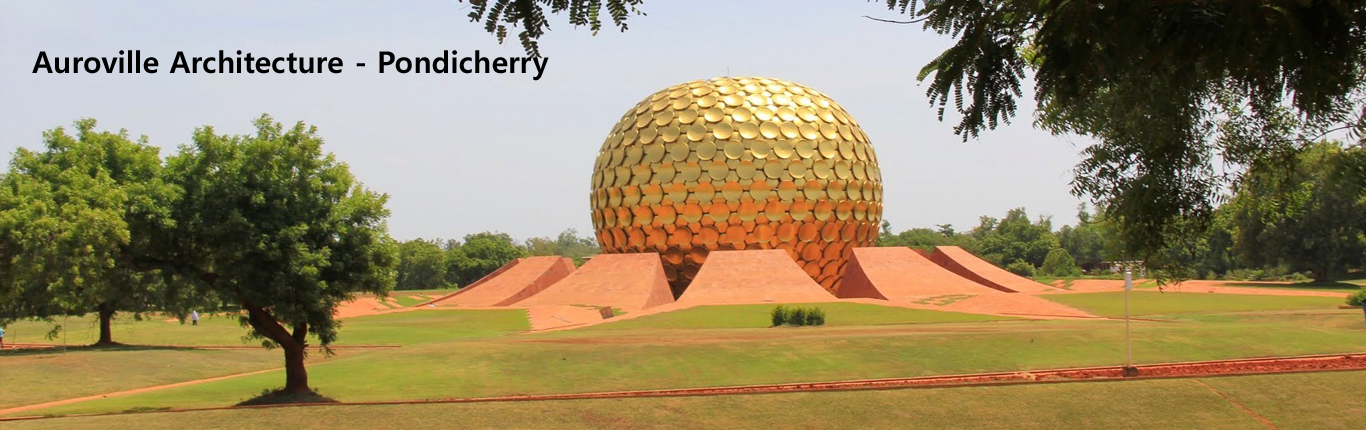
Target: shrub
x=779, y=315
x=783, y=315
x=815, y=316
x=1021, y=267
x=1357, y=298
x=1060, y=263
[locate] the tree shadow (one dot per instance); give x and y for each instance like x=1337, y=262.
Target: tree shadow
x=117, y=347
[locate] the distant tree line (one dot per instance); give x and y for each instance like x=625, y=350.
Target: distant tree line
x=1302, y=219
x=437, y=263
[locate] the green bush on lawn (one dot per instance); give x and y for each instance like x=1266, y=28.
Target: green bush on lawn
x=1357, y=298
x=783, y=315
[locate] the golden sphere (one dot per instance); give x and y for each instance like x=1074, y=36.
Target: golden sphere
x=737, y=163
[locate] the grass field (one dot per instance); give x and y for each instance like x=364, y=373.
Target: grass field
x=216, y=330
x=605, y=360
x=475, y=353
x=757, y=316
x=31, y=377
x=1321, y=400
x=1150, y=303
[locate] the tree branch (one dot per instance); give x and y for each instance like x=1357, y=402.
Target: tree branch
x=890, y=21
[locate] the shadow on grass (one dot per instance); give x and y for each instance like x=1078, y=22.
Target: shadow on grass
x=1329, y=285
x=280, y=397
x=19, y=352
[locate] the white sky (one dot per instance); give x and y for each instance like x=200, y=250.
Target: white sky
x=466, y=153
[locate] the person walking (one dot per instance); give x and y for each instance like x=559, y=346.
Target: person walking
x=2, y=338
x=194, y=317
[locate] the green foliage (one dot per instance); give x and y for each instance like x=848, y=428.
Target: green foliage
x=567, y=244
x=1059, y=263
x=1166, y=88
x=530, y=15
x=1307, y=215
x=69, y=216
x=271, y=220
x=1357, y=298
x=815, y=316
x=797, y=316
x=479, y=255
x=1020, y=267
x=1089, y=242
x=779, y=315
x=421, y=264
x=1015, y=238
x=924, y=238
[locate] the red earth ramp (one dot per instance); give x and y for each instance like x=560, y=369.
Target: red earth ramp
x=752, y=276
x=477, y=283
x=978, y=270
x=899, y=273
x=522, y=278
x=624, y=281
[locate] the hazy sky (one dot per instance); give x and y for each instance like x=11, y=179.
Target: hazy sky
x=465, y=153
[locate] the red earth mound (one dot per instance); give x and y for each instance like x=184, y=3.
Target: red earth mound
x=517, y=280
x=623, y=281
x=893, y=273
x=752, y=276
x=978, y=270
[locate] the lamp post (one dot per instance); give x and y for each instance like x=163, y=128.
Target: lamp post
x=1129, y=369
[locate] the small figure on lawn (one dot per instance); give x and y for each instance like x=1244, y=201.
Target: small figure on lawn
x=194, y=317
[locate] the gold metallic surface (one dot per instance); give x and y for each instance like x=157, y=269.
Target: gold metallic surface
x=737, y=163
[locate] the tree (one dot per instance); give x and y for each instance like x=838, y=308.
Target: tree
x=1308, y=217
x=69, y=213
x=1087, y=241
x=1167, y=88
x=480, y=255
x=1015, y=238
x=1059, y=263
x=281, y=228
x=421, y=264
x=567, y=244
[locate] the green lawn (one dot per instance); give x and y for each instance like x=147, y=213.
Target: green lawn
x=757, y=316
x=1157, y=303
x=37, y=376
x=387, y=329
x=605, y=360
x=31, y=377
x=1320, y=400
x=408, y=301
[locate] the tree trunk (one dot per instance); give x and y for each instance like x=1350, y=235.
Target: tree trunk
x=293, y=344
x=296, y=375
x=1320, y=274
x=106, y=322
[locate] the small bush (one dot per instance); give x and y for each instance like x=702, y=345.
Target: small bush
x=1357, y=298
x=779, y=316
x=783, y=315
x=815, y=316
x=1021, y=267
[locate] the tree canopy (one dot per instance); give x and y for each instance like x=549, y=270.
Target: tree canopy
x=278, y=226
x=1168, y=89
x=68, y=213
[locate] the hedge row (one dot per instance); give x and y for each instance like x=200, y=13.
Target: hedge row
x=783, y=315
